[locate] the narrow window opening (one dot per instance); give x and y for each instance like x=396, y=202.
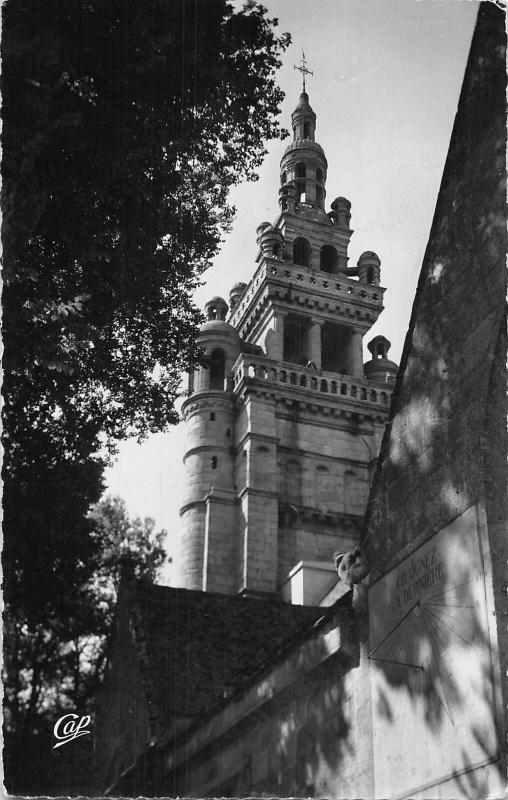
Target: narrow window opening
x=212, y=415
x=213, y=462
x=301, y=251
x=217, y=369
x=295, y=340
x=328, y=259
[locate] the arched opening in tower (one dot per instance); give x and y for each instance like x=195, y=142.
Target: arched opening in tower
x=328, y=259
x=335, y=348
x=300, y=180
x=301, y=251
x=217, y=369
x=296, y=333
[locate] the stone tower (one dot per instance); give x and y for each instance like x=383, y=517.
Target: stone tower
x=285, y=421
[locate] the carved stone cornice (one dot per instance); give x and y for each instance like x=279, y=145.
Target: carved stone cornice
x=288, y=511
x=207, y=400
x=338, y=297
x=208, y=448
x=348, y=412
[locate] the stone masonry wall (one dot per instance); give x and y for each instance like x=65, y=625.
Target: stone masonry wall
x=122, y=724
x=300, y=730
x=303, y=481
x=432, y=462
x=443, y=458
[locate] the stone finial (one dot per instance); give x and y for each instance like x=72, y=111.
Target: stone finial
x=341, y=212
x=341, y=202
x=371, y=257
x=271, y=242
x=379, y=347
x=216, y=308
x=235, y=293
x=380, y=369
x=260, y=228
x=369, y=268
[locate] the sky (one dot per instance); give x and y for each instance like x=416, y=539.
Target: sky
x=385, y=88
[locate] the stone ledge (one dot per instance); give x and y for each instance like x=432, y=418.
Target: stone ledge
x=337, y=637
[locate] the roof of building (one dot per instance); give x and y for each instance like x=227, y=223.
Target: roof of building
x=218, y=326
x=305, y=144
x=197, y=649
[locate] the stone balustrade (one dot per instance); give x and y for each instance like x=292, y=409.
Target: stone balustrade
x=259, y=368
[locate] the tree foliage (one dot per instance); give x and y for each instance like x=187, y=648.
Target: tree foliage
x=55, y=666
x=125, y=125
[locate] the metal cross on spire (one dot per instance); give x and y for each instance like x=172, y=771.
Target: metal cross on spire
x=303, y=69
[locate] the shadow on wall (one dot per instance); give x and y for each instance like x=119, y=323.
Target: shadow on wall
x=441, y=458
x=310, y=738
x=290, y=741
x=433, y=631
x=433, y=672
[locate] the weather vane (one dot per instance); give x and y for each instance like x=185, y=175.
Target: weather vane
x=303, y=69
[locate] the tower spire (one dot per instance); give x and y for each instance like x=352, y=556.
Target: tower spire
x=303, y=69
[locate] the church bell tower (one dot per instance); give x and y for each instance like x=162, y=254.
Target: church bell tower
x=285, y=421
